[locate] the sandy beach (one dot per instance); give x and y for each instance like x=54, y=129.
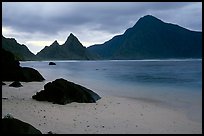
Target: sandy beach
x=108, y=115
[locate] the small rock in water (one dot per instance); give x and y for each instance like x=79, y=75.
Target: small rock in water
x=52, y=63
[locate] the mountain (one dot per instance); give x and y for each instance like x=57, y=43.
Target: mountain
x=21, y=52
x=72, y=49
x=151, y=38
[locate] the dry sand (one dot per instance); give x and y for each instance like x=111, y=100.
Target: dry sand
x=108, y=115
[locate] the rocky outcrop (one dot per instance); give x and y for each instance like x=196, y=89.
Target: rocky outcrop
x=12, y=125
x=16, y=84
x=30, y=74
x=62, y=92
x=11, y=70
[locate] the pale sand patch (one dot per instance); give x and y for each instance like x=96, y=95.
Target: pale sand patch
x=109, y=115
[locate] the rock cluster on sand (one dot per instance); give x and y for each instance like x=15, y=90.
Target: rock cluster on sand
x=12, y=125
x=16, y=84
x=52, y=63
x=12, y=71
x=62, y=91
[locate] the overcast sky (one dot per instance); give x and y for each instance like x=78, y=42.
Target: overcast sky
x=39, y=24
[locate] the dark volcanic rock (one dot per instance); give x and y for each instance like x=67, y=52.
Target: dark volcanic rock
x=15, y=126
x=11, y=70
x=30, y=74
x=62, y=91
x=52, y=63
x=16, y=84
x=2, y=83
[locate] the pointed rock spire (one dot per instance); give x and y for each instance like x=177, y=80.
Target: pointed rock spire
x=72, y=41
x=55, y=43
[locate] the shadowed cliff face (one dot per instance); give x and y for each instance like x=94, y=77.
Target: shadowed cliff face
x=151, y=38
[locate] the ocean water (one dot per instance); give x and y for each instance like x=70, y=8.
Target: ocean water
x=175, y=84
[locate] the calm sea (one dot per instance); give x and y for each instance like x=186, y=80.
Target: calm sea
x=174, y=84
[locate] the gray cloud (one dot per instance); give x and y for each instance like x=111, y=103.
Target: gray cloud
x=51, y=20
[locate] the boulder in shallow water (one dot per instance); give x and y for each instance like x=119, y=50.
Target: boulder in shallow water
x=15, y=126
x=62, y=91
x=16, y=84
x=52, y=63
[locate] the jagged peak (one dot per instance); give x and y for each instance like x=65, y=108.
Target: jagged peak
x=72, y=39
x=71, y=34
x=55, y=43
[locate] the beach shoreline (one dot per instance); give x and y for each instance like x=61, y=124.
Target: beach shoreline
x=109, y=115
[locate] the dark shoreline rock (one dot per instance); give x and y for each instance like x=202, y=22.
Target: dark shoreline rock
x=2, y=83
x=16, y=84
x=12, y=125
x=30, y=74
x=62, y=92
x=52, y=63
x=12, y=71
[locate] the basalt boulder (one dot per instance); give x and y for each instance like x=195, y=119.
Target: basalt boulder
x=62, y=92
x=16, y=126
